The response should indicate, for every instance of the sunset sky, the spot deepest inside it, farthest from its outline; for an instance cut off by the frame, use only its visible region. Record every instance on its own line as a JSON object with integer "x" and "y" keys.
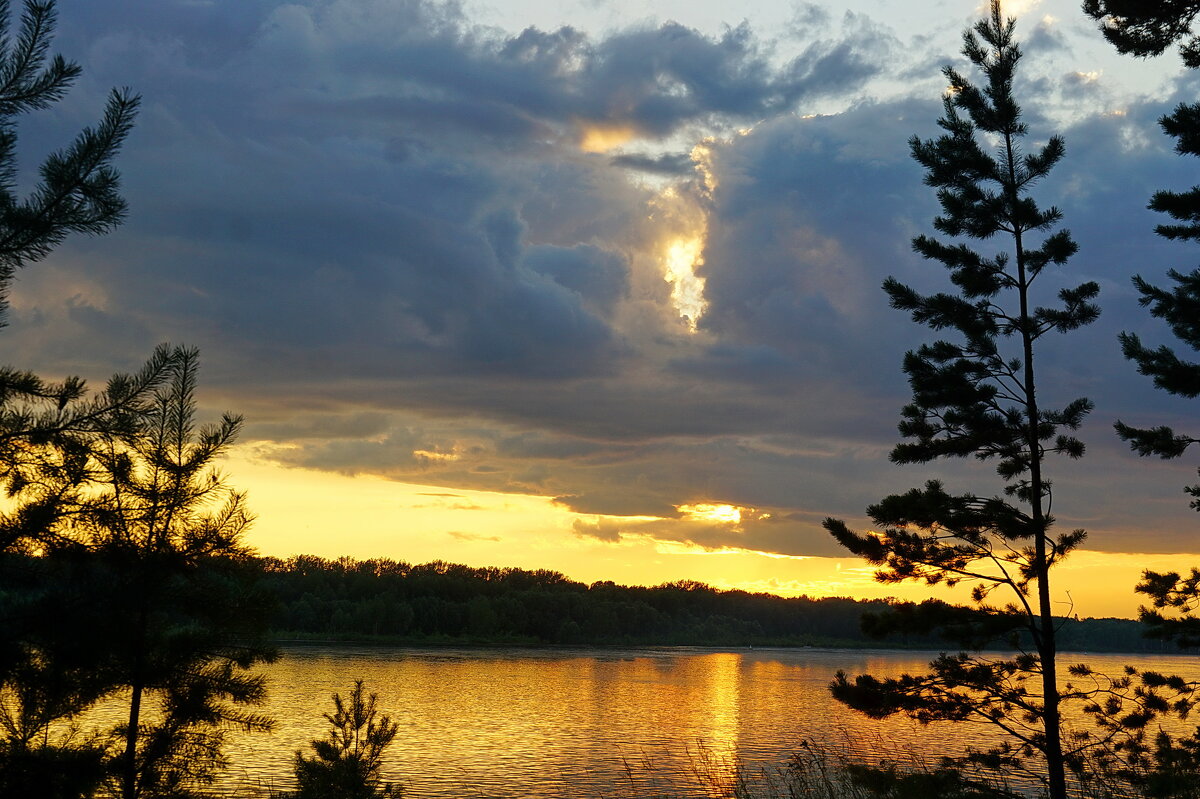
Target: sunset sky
{"x": 594, "y": 285}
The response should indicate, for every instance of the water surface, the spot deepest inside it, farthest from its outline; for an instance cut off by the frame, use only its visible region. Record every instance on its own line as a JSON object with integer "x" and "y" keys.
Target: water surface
{"x": 550, "y": 723}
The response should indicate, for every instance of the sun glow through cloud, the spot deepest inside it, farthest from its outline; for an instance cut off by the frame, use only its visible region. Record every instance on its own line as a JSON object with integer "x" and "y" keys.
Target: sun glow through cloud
{"x": 1012, "y": 8}
{"x": 604, "y": 138}
{"x": 708, "y": 512}
{"x": 682, "y": 257}
{"x": 430, "y": 456}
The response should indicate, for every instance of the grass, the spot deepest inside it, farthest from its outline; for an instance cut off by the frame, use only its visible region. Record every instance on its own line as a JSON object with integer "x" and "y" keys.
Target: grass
{"x": 816, "y": 770}
{"x": 829, "y": 771}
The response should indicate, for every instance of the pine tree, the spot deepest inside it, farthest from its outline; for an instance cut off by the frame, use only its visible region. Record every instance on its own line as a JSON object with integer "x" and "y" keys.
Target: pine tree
{"x": 976, "y": 395}
{"x": 348, "y": 761}
{"x": 1179, "y": 307}
{"x": 121, "y": 547}
{"x": 79, "y": 189}
{"x": 48, "y": 429}
{"x": 44, "y": 425}
{"x": 187, "y": 622}
{"x": 1143, "y": 29}
{"x": 1148, "y": 29}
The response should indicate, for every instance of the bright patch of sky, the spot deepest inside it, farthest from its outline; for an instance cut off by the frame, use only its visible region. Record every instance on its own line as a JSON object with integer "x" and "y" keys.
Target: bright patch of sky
{"x": 926, "y": 35}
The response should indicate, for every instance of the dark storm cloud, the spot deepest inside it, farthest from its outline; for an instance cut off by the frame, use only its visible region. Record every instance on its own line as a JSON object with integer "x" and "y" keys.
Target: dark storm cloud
{"x": 334, "y": 185}
{"x": 827, "y": 206}
{"x": 601, "y": 530}
{"x": 599, "y": 277}
{"x": 426, "y": 64}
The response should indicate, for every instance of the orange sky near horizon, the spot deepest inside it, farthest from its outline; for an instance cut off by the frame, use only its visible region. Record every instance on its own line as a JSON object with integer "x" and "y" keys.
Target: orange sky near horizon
{"x": 302, "y": 511}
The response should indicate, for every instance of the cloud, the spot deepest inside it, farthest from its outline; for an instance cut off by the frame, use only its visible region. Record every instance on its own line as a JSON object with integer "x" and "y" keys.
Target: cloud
{"x": 600, "y": 529}
{"x": 334, "y": 184}
{"x": 461, "y": 536}
{"x": 667, "y": 164}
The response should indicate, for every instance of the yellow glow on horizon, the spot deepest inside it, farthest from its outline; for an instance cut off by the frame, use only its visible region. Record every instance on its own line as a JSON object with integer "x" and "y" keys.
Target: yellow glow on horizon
{"x": 680, "y": 260}
{"x": 604, "y": 138}
{"x": 706, "y": 512}
{"x": 301, "y": 511}
{"x": 683, "y": 548}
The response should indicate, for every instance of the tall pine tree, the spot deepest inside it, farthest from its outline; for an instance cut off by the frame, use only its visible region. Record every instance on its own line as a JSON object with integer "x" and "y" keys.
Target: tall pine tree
{"x": 975, "y": 394}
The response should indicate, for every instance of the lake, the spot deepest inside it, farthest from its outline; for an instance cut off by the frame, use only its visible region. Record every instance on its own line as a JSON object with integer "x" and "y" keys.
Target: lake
{"x": 552, "y": 723}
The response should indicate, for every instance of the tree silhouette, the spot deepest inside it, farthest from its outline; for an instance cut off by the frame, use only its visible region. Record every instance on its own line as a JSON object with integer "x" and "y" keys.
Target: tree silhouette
{"x": 1179, "y": 307}
{"x": 346, "y": 763}
{"x": 141, "y": 589}
{"x": 45, "y": 426}
{"x": 48, "y": 429}
{"x": 189, "y": 622}
{"x": 977, "y": 395}
{"x": 1141, "y": 28}
{"x": 138, "y": 580}
{"x": 78, "y": 191}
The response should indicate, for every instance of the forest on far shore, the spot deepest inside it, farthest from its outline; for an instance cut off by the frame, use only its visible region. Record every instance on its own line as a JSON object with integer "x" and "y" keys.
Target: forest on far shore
{"x": 392, "y": 601}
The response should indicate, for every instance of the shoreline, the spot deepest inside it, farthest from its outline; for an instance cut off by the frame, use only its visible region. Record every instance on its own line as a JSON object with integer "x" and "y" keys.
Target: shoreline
{"x": 409, "y": 643}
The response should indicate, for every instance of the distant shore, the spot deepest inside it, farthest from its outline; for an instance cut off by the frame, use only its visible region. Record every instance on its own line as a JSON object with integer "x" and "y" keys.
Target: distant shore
{"x": 467, "y": 643}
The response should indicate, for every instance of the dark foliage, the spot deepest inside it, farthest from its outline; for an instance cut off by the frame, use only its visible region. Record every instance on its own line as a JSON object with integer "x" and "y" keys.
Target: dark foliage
{"x": 891, "y": 782}
{"x": 187, "y": 619}
{"x": 1156, "y": 763}
{"x": 79, "y": 189}
{"x": 122, "y": 575}
{"x": 347, "y": 763}
{"x": 47, "y": 771}
{"x": 975, "y": 395}
{"x": 1148, "y": 27}
{"x": 391, "y": 600}
{"x": 386, "y": 600}
{"x": 1173, "y": 597}
{"x": 141, "y": 588}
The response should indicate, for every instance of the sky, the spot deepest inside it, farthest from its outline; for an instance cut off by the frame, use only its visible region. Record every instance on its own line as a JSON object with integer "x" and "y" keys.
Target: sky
{"x": 593, "y": 287}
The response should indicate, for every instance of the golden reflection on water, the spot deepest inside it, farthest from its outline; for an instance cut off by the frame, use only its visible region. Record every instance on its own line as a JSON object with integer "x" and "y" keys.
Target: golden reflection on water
{"x": 548, "y": 724}
{"x": 724, "y": 700}
{"x": 532, "y": 722}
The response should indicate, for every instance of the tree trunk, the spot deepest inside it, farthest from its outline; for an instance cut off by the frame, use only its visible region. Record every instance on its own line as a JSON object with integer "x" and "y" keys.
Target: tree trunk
{"x": 129, "y": 770}
{"x": 129, "y": 767}
{"x": 1046, "y": 632}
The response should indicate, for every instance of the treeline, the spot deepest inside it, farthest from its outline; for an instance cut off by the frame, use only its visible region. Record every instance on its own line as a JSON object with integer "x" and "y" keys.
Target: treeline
{"x": 393, "y": 601}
